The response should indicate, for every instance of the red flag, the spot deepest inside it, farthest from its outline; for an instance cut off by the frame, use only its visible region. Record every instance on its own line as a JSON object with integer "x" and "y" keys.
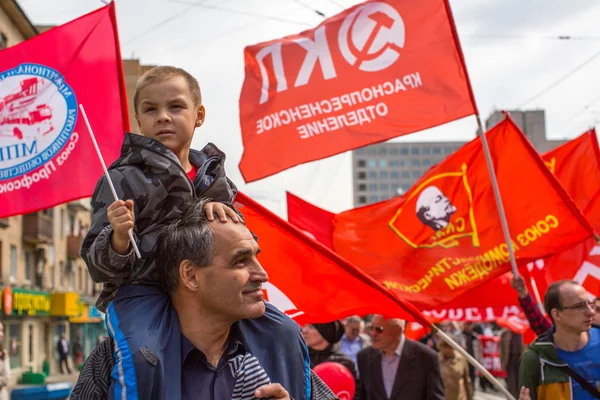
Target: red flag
{"x": 431, "y": 259}
{"x": 490, "y": 358}
{"x": 46, "y": 154}
{"x": 569, "y": 162}
{"x": 314, "y": 221}
{"x": 378, "y": 70}
{"x": 309, "y": 282}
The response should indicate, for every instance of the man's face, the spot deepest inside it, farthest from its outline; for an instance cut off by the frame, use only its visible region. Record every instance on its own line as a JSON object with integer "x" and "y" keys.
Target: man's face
{"x": 576, "y": 314}
{"x": 311, "y": 336}
{"x": 468, "y": 327}
{"x": 167, "y": 113}
{"x": 439, "y": 205}
{"x": 383, "y": 334}
{"x": 439, "y": 208}
{"x": 231, "y": 285}
{"x": 352, "y": 329}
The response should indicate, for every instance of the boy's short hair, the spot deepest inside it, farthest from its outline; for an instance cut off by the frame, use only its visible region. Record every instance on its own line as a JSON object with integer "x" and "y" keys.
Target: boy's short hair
{"x": 162, "y": 73}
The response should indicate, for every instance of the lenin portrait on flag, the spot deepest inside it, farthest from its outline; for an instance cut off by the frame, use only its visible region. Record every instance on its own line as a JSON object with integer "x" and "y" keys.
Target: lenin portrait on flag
{"x": 434, "y": 209}
{"x": 437, "y": 211}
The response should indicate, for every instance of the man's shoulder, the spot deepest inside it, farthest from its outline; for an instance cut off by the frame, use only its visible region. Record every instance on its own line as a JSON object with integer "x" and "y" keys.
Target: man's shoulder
{"x": 420, "y": 349}
{"x": 367, "y": 352}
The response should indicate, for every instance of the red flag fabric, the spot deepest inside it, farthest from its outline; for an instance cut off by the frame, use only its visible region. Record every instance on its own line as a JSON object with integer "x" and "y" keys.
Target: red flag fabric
{"x": 309, "y": 282}
{"x": 443, "y": 237}
{"x": 314, "y": 221}
{"x": 569, "y": 162}
{"x": 378, "y": 70}
{"x": 46, "y": 153}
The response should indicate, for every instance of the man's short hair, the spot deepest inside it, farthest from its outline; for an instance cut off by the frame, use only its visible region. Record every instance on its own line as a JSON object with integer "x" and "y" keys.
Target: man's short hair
{"x": 163, "y": 73}
{"x": 552, "y": 297}
{"x": 354, "y": 319}
{"x": 190, "y": 237}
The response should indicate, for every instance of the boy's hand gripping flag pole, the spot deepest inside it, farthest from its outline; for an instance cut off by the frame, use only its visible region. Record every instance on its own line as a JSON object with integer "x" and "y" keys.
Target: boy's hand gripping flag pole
{"x": 110, "y": 183}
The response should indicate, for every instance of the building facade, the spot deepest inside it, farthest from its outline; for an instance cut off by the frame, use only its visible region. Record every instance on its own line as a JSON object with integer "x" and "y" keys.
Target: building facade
{"x": 132, "y": 71}
{"x": 382, "y": 171}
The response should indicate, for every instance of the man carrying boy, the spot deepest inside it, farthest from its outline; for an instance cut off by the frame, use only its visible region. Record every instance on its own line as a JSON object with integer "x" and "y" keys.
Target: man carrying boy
{"x": 155, "y": 174}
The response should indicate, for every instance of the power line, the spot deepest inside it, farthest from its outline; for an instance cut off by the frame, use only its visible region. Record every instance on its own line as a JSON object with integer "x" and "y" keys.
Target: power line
{"x": 163, "y": 22}
{"x": 531, "y": 36}
{"x": 340, "y": 5}
{"x": 207, "y": 39}
{"x": 560, "y": 80}
{"x": 578, "y": 113}
{"x": 322, "y": 14}
{"x": 241, "y": 12}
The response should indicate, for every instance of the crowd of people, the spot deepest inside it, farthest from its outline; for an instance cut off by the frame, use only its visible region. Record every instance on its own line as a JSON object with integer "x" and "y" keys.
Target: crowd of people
{"x": 186, "y": 316}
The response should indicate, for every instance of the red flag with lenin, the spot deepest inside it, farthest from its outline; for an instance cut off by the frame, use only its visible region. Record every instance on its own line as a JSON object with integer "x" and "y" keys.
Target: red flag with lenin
{"x": 46, "y": 153}
{"x": 443, "y": 237}
{"x": 378, "y": 70}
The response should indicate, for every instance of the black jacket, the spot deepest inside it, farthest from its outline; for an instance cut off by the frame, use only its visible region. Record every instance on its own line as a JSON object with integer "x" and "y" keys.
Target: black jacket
{"x": 418, "y": 376}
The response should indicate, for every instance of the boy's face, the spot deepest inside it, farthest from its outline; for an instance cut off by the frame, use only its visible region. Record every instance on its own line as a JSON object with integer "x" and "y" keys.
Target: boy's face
{"x": 166, "y": 112}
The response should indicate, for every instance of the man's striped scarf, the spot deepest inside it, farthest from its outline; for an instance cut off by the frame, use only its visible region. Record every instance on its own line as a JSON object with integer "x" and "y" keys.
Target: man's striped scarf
{"x": 249, "y": 376}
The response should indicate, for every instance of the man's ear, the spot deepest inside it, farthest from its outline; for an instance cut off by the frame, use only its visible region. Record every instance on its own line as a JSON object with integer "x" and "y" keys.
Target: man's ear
{"x": 187, "y": 275}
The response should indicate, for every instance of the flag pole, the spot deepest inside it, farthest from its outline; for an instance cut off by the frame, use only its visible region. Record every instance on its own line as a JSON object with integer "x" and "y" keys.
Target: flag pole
{"x": 496, "y": 189}
{"x": 472, "y": 361}
{"x": 107, "y": 175}
{"x": 537, "y": 294}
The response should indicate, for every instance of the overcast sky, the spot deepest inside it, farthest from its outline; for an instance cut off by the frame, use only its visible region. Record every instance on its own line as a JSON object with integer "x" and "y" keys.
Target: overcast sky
{"x": 511, "y": 47}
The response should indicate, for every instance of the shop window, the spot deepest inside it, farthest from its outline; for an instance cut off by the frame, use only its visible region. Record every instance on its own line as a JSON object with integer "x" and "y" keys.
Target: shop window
{"x": 13, "y": 333}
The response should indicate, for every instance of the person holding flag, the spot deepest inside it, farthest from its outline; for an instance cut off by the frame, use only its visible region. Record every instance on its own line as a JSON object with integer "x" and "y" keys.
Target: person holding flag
{"x": 155, "y": 174}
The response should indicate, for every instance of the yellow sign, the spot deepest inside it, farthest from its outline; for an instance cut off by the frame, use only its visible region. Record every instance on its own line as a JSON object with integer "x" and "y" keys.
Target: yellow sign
{"x": 65, "y": 305}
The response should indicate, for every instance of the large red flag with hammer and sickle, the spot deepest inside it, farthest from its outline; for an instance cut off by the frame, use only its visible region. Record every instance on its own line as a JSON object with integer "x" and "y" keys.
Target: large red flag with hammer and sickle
{"x": 378, "y": 70}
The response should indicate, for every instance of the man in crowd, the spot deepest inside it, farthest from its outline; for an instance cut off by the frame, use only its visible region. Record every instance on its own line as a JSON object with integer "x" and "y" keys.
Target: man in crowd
{"x": 228, "y": 333}
{"x": 472, "y": 345}
{"x": 322, "y": 340}
{"x": 353, "y": 341}
{"x": 511, "y": 349}
{"x": 63, "y": 352}
{"x": 563, "y": 363}
{"x": 397, "y": 368}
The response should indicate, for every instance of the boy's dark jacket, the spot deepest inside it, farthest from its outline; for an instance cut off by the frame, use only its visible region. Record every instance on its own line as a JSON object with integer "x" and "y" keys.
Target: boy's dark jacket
{"x": 151, "y": 175}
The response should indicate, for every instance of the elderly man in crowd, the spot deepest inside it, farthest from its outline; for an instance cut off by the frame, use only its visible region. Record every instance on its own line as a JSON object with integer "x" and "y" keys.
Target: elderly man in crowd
{"x": 395, "y": 367}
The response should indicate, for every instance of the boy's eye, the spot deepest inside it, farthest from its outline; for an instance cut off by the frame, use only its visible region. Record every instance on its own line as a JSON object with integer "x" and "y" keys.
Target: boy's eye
{"x": 149, "y": 109}
{"x": 176, "y": 106}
